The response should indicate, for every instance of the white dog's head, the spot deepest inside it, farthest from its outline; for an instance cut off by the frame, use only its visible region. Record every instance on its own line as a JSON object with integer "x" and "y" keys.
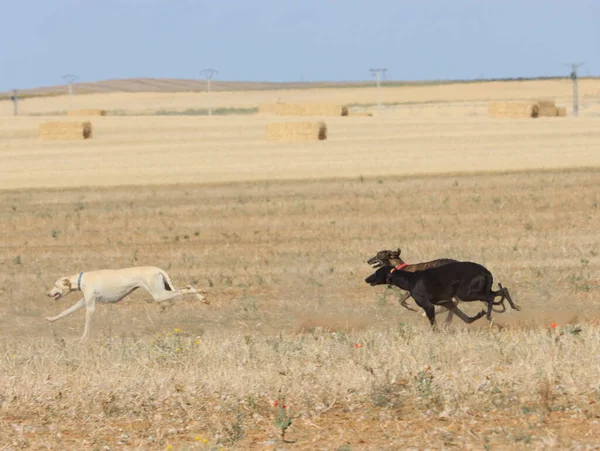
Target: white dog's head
{"x": 61, "y": 288}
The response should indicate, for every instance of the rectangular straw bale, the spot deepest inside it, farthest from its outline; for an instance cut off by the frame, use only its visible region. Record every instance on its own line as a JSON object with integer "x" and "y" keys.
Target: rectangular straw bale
{"x": 513, "y": 109}
{"x": 547, "y": 111}
{"x": 306, "y": 109}
{"x": 546, "y": 102}
{"x": 296, "y": 132}
{"x": 561, "y": 111}
{"x": 267, "y": 108}
{"x": 86, "y": 113}
{"x": 65, "y": 130}
{"x": 360, "y": 113}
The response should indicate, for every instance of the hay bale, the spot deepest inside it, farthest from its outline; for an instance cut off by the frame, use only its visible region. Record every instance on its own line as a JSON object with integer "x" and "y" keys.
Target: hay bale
{"x": 561, "y": 111}
{"x": 87, "y": 113}
{"x": 65, "y": 130}
{"x": 546, "y": 102}
{"x": 267, "y": 108}
{"x": 305, "y": 109}
{"x": 360, "y": 113}
{"x": 296, "y": 132}
{"x": 547, "y": 111}
{"x": 513, "y": 109}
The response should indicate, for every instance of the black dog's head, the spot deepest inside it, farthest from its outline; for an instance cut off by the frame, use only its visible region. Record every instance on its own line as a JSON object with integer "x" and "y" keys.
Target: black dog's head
{"x": 384, "y": 258}
{"x": 380, "y": 277}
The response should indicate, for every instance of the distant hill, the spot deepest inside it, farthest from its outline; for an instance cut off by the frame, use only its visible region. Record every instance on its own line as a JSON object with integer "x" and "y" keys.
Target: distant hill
{"x": 185, "y": 85}
{"x": 174, "y": 85}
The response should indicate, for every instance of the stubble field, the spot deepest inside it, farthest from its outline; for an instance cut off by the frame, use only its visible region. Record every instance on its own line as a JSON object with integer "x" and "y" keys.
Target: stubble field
{"x": 282, "y": 256}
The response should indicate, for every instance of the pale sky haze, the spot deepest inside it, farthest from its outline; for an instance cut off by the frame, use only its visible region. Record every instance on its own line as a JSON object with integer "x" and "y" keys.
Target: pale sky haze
{"x": 288, "y": 40}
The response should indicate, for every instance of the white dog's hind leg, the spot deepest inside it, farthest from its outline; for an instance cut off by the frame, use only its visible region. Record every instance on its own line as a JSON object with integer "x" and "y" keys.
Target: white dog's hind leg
{"x": 159, "y": 292}
{"x": 164, "y": 295}
{"x": 78, "y": 306}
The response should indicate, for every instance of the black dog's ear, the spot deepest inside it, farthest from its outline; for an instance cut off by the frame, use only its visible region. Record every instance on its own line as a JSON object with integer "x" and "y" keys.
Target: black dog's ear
{"x": 399, "y": 252}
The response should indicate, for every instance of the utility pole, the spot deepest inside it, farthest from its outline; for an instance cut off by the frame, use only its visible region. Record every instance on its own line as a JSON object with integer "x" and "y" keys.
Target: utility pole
{"x": 574, "y": 67}
{"x": 15, "y": 100}
{"x": 378, "y": 73}
{"x": 70, "y": 78}
{"x": 208, "y": 75}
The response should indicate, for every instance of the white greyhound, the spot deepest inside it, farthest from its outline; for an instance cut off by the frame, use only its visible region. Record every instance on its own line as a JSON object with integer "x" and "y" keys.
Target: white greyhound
{"x": 111, "y": 286}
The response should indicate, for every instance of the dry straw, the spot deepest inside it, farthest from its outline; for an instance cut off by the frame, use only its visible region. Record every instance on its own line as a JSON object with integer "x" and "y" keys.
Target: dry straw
{"x": 65, "y": 130}
{"x": 541, "y": 108}
{"x": 296, "y": 132}
{"x": 546, "y": 102}
{"x": 304, "y": 109}
{"x": 547, "y": 108}
{"x": 87, "y": 113}
{"x": 513, "y": 109}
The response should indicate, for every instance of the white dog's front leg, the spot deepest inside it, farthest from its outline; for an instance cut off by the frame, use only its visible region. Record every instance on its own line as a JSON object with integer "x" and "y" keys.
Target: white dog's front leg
{"x": 68, "y": 311}
{"x": 90, "y": 308}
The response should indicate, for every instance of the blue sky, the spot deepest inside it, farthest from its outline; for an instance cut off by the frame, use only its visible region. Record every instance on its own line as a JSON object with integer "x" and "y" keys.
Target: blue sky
{"x": 287, "y": 40}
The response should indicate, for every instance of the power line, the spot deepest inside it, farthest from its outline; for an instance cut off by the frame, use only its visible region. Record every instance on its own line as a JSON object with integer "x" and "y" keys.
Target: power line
{"x": 573, "y": 75}
{"x": 15, "y": 99}
{"x": 208, "y": 75}
{"x": 70, "y": 78}
{"x": 378, "y": 73}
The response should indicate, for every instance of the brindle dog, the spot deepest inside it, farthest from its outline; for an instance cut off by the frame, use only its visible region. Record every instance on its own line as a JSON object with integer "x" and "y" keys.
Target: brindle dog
{"x": 392, "y": 258}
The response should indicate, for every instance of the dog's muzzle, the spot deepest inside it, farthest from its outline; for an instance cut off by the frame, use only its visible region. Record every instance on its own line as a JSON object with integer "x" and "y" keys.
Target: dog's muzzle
{"x": 54, "y": 296}
{"x": 375, "y": 264}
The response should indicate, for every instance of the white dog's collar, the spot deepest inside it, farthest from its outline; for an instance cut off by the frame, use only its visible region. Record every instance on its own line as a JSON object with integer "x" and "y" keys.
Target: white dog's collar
{"x": 79, "y": 281}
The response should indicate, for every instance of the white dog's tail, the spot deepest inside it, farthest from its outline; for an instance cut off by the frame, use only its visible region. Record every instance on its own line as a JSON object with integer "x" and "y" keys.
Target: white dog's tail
{"x": 167, "y": 281}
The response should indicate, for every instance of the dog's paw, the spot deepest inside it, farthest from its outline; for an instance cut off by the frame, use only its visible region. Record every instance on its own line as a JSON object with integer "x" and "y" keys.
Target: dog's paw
{"x": 517, "y": 308}
{"x": 202, "y": 299}
{"x": 49, "y": 319}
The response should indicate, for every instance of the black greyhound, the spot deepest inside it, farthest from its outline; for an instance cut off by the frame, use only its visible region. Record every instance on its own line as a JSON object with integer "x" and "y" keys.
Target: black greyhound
{"x": 437, "y": 286}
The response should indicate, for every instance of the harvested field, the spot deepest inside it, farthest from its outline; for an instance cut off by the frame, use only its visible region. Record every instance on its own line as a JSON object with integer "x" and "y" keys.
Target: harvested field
{"x": 167, "y": 150}
{"x": 279, "y": 234}
{"x": 284, "y": 264}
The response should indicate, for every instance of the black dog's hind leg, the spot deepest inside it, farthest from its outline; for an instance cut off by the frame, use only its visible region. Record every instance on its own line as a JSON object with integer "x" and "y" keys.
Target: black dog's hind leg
{"x": 505, "y": 294}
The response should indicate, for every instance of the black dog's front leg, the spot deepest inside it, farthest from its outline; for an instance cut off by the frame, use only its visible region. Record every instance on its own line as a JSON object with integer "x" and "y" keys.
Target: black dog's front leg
{"x": 423, "y": 302}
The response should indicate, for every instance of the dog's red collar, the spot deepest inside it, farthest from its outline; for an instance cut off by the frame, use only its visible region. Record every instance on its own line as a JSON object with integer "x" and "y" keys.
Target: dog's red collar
{"x": 399, "y": 267}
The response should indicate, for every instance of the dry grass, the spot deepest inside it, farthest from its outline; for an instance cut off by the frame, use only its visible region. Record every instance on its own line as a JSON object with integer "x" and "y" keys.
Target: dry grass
{"x": 292, "y": 319}
{"x": 89, "y": 112}
{"x": 304, "y": 109}
{"x": 284, "y": 261}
